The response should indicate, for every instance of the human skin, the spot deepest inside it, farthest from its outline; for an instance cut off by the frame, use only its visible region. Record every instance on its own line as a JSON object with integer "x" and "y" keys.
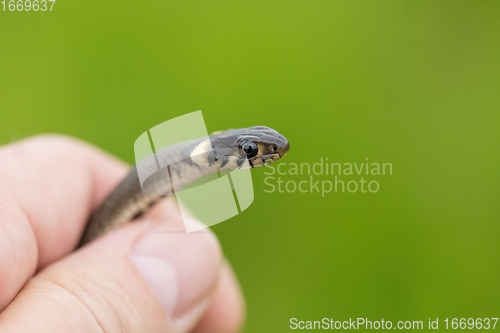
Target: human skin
{"x": 134, "y": 279}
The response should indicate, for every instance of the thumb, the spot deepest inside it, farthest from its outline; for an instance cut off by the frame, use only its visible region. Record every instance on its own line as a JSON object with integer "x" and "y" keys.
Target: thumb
{"x": 130, "y": 280}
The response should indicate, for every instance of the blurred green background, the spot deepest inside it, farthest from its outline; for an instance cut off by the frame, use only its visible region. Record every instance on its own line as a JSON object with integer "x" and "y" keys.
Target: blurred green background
{"x": 415, "y": 84}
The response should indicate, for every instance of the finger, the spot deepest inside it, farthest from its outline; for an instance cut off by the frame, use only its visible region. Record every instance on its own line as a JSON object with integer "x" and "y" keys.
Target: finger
{"x": 226, "y": 311}
{"x": 130, "y": 280}
{"x": 48, "y": 187}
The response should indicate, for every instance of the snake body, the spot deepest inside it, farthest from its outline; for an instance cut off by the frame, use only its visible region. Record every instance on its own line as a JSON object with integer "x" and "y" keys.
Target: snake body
{"x": 182, "y": 164}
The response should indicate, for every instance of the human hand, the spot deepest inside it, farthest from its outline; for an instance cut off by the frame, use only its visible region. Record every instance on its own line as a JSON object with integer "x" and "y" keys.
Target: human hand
{"x": 131, "y": 280}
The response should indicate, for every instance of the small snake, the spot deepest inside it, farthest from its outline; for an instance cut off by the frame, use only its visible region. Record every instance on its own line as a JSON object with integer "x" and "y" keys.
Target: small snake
{"x": 183, "y": 163}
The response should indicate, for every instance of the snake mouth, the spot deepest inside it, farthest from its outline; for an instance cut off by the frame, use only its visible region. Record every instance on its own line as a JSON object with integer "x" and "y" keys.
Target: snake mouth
{"x": 263, "y": 160}
{"x": 270, "y": 158}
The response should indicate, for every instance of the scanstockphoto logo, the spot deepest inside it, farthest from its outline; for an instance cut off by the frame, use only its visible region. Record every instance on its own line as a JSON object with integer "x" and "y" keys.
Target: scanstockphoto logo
{"x": 324, "y": 177}
{"x": 172, "y": 154}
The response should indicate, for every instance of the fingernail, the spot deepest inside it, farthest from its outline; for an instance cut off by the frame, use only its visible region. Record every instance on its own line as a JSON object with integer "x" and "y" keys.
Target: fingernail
{"x": 181, "y": 269}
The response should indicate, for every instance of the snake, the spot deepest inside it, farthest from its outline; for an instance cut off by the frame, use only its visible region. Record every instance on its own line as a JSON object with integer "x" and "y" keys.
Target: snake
{"x": 176, "y": 166}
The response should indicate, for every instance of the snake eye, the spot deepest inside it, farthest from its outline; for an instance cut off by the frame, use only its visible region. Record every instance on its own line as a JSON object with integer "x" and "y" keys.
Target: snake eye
{"x": 275, "y": 148}
{"x": 249, "y": 148}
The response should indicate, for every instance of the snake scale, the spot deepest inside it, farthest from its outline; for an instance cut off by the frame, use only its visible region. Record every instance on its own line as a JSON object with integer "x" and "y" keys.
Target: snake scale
{"x": 187, "y": 161}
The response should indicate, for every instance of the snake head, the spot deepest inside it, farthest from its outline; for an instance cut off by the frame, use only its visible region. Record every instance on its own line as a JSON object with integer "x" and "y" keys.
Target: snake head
{"x": 248, "y": 147}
